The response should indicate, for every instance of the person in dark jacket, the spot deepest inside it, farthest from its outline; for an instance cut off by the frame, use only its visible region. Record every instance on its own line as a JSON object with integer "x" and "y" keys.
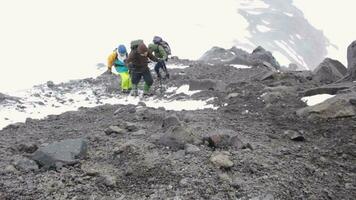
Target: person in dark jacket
{"x": 138, "y": 64}
{"x": 161, "y": 54}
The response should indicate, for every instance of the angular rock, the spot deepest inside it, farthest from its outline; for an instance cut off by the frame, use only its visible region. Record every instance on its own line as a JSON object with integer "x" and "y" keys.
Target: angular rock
{"x": 207, "y": 84}
{"x": 191, "y": 149}
{"x": 66, "y": 152}
{"x": 25, "y": 165}
{"x": 107, "y": 180}
{"x": 260, "y": 55}
{"x": 171, "y": 121}
{"x": 336, "y": 107}
{"x": 221, "y": 160}
{"x": 27, "y": 147}
{"x": 224, "y": 141}
{"x": 329, "y": 71}
{"x": 114, "y": 130}
{"x": 294, "y": 135}
{"x": 177, "y": 137}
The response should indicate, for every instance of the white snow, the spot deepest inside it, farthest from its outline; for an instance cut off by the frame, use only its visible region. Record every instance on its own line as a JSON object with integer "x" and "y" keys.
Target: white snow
{"x": 73, "y": 101}
{"x": 185, "y": 90}
{"x": 316, "y": 99}
{"x": 171, "y": 66}
{"x": 240, "y": 66}
{"x": 263, "y": 28}
{"x": 288, "y": 14}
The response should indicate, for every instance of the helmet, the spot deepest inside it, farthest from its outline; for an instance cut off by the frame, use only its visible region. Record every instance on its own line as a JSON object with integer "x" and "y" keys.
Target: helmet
{"x": 121, "y": 49}
{"x": 157, "y": 39}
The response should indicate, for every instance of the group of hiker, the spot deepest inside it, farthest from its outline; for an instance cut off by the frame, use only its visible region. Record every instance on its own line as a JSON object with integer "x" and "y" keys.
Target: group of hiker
{"x": 134, "y": 65}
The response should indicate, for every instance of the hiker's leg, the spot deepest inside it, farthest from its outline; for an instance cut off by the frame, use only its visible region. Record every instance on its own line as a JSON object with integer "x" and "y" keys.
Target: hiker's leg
{"x": 164, "y": 67}
{"x": 125, "y": 80}
{"x": 148, "y": 80}
{"x": 157, "y": 67}
{"x": 135, "y": 78}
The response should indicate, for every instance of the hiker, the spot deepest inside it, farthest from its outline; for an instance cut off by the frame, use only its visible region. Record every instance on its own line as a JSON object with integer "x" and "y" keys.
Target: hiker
{"x": 161, "y": 50}
{"x": 117, "y": 58}
{"x": 138, "y": 64}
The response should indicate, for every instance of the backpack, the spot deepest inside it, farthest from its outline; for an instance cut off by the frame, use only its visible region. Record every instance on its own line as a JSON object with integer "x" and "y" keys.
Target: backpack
{"x": 134, "y": 44}
{"x": 159, "y": 41}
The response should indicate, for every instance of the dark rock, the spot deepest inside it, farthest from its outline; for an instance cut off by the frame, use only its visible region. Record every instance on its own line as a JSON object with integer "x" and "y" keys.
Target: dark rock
{"x": 294, "y": 135}
{"x": 27, "y": 147}
{"x": 224, "y": 141}
{"x": 114, "y": 130}
{"x": 50, "y": 84}
{"x": 191, "y": 149}
{"x": 131, "y": 127}
{"x": 260, "y": 55}
{"x": 171, "y": 121}
{"x": 66, "y": 152}
{"x": 221, "y": 160}
{"x": 329, "y": 71}
{"x": 217, "y": 55}
{"x": 207, "y": 84}
{"x": 335, "y": 107}
{"x": 177, "y": 137}
{"x": 329, "y": 89}
{"x": 25, "y": 165}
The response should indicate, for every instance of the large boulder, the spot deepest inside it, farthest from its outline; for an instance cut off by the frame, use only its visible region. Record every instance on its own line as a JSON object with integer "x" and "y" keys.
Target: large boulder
{"x": 329, "y": 71}
{"x": 335, "y": 107}
{"x": 177, "y": 137}
{"x": 351, "y": 57}
{"x": 217, "y": 55}
{"x": 260, "y": 55}
{"x": 57, "y": 154}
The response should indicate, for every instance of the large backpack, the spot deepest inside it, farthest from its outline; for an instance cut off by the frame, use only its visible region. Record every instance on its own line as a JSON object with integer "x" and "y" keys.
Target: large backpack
{"x": 159, "y": 41}
{"x": 134, "y": 44}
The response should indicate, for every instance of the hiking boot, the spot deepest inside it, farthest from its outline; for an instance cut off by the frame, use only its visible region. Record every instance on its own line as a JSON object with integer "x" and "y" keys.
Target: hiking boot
{"x": 134, "y": 92}
{"x": 125, "y": 91}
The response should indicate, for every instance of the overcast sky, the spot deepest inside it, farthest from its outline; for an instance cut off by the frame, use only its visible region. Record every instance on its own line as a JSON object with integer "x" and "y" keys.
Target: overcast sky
{"x": 64, "y": 39}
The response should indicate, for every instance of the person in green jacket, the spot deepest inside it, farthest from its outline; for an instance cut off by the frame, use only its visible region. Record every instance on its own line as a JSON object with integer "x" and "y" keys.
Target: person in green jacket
{"x": 161, "y": 54}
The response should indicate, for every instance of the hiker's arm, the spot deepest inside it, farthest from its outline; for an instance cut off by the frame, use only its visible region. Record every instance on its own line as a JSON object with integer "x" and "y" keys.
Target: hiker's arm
{"x": 162, "y": 52}
{"x": 152, "y": 57}
{"x": 111, "y": 60}
{"x": 129, "y": 58}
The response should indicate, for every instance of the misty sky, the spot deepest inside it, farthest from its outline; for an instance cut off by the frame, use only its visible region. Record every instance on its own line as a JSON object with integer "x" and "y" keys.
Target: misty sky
{"x": 64, "y": 39}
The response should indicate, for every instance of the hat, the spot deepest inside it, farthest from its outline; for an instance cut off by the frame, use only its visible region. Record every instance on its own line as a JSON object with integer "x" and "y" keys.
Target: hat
{"x": 121, "y": 49}
{"x": 142, "y": 48}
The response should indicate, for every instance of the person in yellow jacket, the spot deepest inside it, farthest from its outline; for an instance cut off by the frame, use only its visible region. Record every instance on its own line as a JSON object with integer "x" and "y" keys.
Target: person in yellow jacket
{"x": 117, "y": 59}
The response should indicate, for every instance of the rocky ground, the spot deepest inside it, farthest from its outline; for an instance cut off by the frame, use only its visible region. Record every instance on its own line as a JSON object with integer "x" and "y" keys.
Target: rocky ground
{"x": 261, "y": 143}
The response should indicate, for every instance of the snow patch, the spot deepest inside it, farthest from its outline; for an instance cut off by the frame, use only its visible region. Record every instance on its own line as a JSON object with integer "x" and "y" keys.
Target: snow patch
{"x": 240, "y": 66}
{"x": 171, "y": 66}
{"x": 39, "y": 103}
{"x": 316, "y": 99}
{"x": 263, "y": 28}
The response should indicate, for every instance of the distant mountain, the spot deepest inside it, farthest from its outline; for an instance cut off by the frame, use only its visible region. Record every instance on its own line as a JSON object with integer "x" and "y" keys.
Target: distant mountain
{"x": 281, "y": 28}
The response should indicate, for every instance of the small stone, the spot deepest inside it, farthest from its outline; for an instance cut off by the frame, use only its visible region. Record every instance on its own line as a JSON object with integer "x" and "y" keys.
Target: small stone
{"x": 294, "y": 135}
{"x": 139, "y": 132}
{"x": 191, "y": 149}
{"x": 184, "y": 182}
{"x": 236, "y": 183}
{"x": 108, "y": 180}
{"x": 27, "y": 147}
{"x": 10, "y": 169}
{"x": 115, "y": 130}
{"x": 26, "y": 165}
{"x": 225, "y": 177}
{"x": 232, "y": 95}
{"x": 221, "y": 160}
